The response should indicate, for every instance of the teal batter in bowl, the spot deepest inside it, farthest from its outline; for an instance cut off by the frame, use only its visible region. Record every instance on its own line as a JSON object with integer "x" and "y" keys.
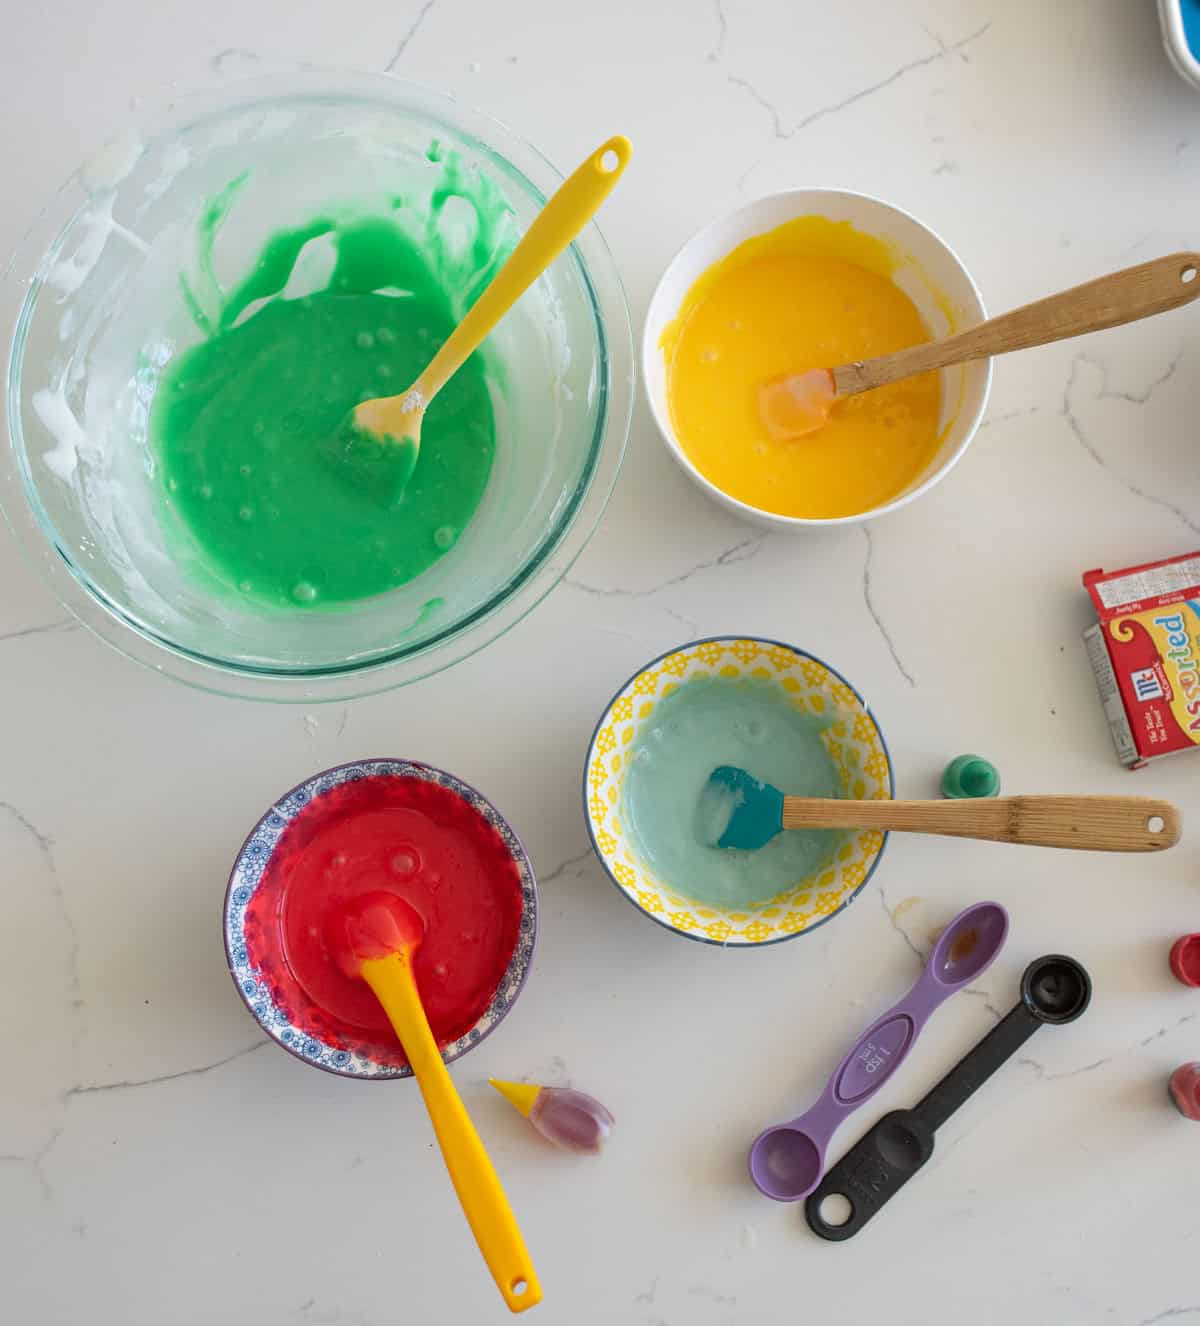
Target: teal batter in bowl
{"x": 765, "y": 706}
{"x": 669, "y": 814}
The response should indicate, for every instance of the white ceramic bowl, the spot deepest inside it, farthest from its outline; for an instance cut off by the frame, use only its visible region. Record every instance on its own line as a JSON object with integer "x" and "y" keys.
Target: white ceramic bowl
{"x": 930, "y": 274}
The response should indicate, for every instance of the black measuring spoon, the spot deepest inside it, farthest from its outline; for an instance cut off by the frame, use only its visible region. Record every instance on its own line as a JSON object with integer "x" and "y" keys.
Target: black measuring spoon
{"x": 1054, "y": 989}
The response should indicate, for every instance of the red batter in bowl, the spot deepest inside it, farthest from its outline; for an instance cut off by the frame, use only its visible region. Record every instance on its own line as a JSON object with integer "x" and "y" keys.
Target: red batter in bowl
{"x": 412, "y": 836}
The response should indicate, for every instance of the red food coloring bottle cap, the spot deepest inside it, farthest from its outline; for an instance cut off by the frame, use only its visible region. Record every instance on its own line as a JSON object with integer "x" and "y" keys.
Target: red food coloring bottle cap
{"x": 1185, "y": 1090}
{"x": 1185, "y": 959}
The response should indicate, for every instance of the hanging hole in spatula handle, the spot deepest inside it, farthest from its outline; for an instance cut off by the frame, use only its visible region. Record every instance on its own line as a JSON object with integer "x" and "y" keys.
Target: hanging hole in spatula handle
{"x": 612, "y": 157}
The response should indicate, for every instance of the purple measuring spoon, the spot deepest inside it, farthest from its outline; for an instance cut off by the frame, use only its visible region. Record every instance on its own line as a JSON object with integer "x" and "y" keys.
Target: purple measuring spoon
{"x": 788, "y": 1160}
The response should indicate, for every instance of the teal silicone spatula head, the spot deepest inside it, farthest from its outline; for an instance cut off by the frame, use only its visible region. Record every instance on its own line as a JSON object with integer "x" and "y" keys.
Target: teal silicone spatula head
{"x": 737, "y": 810}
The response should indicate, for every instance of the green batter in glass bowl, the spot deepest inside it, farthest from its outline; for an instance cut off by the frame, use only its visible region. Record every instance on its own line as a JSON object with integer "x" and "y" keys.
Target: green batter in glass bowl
{"x": 208, "y": 298}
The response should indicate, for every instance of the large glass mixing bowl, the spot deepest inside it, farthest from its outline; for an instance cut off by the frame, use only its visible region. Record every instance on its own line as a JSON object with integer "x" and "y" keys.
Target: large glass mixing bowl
{"x": 94, "y": 298}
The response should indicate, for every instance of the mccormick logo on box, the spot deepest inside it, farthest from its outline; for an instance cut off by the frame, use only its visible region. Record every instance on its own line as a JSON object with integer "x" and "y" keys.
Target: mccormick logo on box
{"x": 1145, "y": 652}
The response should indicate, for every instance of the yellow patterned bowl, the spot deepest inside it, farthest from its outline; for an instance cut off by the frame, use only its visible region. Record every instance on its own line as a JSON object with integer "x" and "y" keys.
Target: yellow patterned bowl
{"x": 854, "y": 741}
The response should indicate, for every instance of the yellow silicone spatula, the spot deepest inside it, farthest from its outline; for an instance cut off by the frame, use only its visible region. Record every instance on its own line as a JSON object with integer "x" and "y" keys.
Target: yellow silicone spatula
{"x": 395, "y": 421}
{"x": 376, "y": 937}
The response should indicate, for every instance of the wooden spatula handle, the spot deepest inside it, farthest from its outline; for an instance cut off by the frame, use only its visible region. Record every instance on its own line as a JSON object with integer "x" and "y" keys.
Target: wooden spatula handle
{"x": 1097, "y": 824}
{"x": 1125, "y": 296}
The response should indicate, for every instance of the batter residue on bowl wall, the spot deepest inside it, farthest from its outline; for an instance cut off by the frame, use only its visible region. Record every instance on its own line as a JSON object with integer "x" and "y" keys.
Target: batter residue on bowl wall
{"x": 812, "y": 293}
{"x": 245, "y": 423}
{"x": 707, "y": 722}
{"x": 420, "y": 841}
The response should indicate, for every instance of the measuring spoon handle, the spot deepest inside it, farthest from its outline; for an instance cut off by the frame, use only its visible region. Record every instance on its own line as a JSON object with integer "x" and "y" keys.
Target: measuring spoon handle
{"x": 976, "y": 1066}
{"x": 875, "y": 1168}
{"x": 872, "y": 1059}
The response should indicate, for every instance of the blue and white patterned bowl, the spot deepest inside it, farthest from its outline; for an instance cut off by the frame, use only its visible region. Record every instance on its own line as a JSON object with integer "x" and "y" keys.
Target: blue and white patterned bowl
{"x": 247, "y": 874}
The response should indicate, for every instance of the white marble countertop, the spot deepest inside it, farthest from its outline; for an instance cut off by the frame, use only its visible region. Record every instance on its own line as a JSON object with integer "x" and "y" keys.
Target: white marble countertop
{"x": 161, "y": 1162}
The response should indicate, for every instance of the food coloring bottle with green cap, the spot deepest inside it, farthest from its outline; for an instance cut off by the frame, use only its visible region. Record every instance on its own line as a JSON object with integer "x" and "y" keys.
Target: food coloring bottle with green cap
{"x": 970, "y": 776}
{"x": 1185, "y": 1090}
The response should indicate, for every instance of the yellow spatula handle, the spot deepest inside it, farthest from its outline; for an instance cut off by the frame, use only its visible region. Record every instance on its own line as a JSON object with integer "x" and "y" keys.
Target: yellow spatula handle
{"x": 475, "y": 1180}
{"x": 555, "y": 226}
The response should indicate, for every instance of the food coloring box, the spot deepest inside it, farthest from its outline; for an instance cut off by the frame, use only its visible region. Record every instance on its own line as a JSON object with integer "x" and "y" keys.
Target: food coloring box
{"x": 1145, "y": 652}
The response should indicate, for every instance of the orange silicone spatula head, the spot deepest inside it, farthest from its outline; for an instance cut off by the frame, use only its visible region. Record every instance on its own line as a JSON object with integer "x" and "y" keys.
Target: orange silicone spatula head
{"x": 798, "y": 404}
